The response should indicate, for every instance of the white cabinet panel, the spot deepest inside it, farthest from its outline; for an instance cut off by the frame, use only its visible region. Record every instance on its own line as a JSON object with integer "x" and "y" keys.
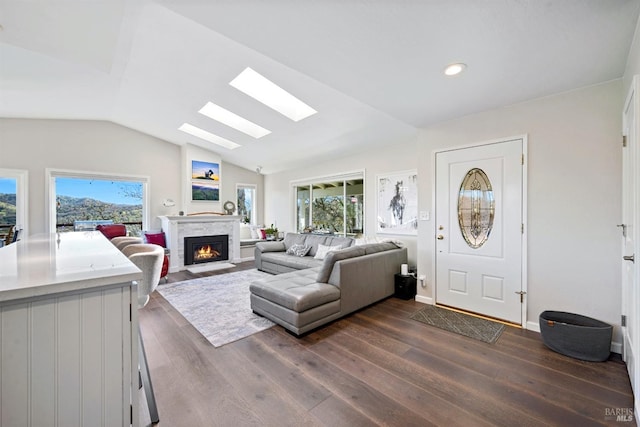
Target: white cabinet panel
{"x": 67, "y": 360}
{"x": 68, "y": 336}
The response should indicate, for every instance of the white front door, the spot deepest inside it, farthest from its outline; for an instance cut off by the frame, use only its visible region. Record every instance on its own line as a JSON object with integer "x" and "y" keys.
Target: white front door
{"x": 479, "y": 229}
{"x": 630, "y": 238}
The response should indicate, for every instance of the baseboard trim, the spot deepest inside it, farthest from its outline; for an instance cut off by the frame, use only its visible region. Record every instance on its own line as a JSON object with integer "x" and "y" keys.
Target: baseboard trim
{"x": 423, "y": 299}
{"x": 532, "y": 326}
{"x": 616, "y": 347}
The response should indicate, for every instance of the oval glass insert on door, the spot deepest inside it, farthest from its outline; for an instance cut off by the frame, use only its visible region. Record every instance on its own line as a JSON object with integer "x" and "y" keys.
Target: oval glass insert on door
{"x": 476, "y": 208}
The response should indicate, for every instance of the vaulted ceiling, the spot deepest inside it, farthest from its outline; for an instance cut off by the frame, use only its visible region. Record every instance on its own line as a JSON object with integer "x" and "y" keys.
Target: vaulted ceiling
{"x": 373, "y": 69}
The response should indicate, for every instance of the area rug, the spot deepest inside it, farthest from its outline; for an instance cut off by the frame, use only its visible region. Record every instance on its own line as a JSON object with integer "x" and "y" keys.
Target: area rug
{"x": 218, "y": 306}
{"x": 460, "y": 323}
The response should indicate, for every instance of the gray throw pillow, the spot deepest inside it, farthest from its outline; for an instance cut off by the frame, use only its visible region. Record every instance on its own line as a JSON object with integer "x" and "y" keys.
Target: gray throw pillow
{"x": 298, "y": 250}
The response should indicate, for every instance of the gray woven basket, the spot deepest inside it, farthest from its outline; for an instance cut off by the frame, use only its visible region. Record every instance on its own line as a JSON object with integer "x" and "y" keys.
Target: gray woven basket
{"x": 576, "y": 336}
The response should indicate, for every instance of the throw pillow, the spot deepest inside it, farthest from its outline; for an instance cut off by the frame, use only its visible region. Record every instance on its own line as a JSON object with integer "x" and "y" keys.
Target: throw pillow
{"x": 262, "y": 234}
{"x": 323, "y": 250}
{"x": 299, "y": 250}
{"x": 156, "y": 239}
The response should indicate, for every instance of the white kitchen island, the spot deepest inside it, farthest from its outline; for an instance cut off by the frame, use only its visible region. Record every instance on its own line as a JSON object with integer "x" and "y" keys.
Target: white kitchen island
{"x": 68, "y": 332}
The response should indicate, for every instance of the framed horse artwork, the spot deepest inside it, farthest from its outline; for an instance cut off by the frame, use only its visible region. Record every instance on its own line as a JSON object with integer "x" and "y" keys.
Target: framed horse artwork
{"x": 397, "y": 202}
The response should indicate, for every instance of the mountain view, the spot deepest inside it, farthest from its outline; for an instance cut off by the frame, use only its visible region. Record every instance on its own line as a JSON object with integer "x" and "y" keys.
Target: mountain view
{"x": 7, "y": 208}
{"x": 72, "y": 209}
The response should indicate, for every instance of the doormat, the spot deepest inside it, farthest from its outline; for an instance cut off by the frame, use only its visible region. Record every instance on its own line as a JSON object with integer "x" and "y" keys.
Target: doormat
{"x": 460, "y": 323}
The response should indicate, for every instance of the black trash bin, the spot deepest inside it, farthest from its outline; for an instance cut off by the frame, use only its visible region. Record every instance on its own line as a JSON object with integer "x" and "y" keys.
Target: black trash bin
{"x": 577, "y": 336}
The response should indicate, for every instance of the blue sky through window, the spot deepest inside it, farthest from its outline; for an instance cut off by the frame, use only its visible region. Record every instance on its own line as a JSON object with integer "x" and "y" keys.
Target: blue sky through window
{"x": 8, "y": 185}
{"x": 98, "y": 189}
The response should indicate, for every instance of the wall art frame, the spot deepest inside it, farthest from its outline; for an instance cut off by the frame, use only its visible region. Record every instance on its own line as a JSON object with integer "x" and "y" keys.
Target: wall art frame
{"x": 205, "y": 181}
{"x": 397, "y": 203}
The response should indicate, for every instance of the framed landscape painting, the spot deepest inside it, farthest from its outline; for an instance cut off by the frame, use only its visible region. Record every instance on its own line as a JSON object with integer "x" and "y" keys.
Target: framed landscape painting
{"x": 205, "y": 181}
{"x": 205, "y": 170}
{"x": 202, "y": 192}
{"x": 397, "y": 203}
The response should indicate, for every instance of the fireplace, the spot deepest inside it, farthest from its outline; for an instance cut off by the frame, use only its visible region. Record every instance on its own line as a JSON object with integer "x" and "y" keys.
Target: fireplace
{"x": 202, "y": 249}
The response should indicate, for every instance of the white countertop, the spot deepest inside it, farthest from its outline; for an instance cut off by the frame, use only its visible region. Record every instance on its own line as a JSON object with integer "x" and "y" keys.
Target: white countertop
{"x": 52, "y": 263}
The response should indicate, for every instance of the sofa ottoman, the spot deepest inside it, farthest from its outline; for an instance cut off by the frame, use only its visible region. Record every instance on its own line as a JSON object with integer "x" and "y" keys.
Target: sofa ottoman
{"x": 296, "y": 298}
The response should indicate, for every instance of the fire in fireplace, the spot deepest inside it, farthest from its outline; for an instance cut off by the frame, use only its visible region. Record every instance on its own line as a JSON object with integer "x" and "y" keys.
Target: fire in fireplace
{"x": 205, "y": 253}
{"x": 201, "y": 249}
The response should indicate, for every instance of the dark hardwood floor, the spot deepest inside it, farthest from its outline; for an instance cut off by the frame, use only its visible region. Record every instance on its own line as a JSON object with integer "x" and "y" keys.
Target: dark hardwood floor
{"x": 375, "y": 367}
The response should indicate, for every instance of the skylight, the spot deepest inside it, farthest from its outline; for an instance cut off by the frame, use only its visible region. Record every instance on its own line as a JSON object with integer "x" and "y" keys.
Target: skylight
{"x": 271, "y": 95}
{"x": 233, "y": 120}
{"x": 208, "y": 136}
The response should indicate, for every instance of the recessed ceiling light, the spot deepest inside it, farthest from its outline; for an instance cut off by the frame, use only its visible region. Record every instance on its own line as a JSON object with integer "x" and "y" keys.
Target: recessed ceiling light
{"x": 233, "y": 120}
{"x": 208, "y": 136}
{"x": 454, "y": 69}
{"x": 264, "y": 90}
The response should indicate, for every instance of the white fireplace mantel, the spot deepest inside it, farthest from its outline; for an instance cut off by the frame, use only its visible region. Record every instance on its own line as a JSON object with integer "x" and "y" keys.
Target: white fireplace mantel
{"x": 176, "y": 228}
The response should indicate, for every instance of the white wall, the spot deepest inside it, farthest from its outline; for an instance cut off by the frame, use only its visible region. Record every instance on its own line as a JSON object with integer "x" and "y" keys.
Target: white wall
{"x": 633, "y": 61}
{"x": 103, "y": 147}
{"x": 574, "y": 200}
{"x": 230, "y": 175}
{"x": 398, "y": 156}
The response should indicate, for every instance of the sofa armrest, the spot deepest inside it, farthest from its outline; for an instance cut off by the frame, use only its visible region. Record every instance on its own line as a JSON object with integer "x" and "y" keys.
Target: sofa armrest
{"x": 270, "y": 247}
{"x": 366, "y": 279}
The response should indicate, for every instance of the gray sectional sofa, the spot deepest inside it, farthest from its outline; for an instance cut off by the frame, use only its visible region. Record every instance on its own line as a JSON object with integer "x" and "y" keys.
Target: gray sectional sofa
{"x": 314, "y": 292}
{"x": 272, "y": 257}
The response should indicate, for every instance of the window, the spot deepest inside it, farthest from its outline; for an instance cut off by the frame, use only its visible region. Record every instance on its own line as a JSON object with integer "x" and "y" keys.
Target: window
{"x": 13, "y": 200}
{"x": 331, "y": 205}
{"x": 247, "y": 203}
{"x": 79, "y": 201}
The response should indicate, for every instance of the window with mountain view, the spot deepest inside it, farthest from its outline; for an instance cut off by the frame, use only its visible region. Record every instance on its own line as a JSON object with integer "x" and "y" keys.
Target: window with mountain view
{"x": 83, "y": 202}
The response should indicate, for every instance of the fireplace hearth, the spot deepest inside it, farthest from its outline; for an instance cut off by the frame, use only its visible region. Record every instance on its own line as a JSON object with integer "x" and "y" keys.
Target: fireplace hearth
{"x": 203, "y": 249}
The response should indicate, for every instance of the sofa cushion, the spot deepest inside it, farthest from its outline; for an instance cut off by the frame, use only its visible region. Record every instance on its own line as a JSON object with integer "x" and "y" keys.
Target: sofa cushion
{"x": 324, "y": 250}
{"x": 290, "y": 261}
{"x": 297, "y": 291}
{"x": 298, "y": 250}
{"x": 270, "y": 246}
{"x": 344, "y": 242}
{"x": 311, "y": 240}
{"x": 314, "y": 240}
{"x": 291, "y": 239}
{"x": 334, "y": 256}
{"x": 373, "y": 248}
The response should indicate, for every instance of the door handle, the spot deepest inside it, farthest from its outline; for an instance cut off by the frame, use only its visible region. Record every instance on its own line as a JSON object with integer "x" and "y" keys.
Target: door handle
{"x": 629, "y": 258}
{"x": 440, "y": 237}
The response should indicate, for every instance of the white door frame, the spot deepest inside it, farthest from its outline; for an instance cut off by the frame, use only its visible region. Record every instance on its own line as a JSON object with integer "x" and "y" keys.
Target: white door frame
{"x": 633, "y": 315}
{"x": 433, "y": 231}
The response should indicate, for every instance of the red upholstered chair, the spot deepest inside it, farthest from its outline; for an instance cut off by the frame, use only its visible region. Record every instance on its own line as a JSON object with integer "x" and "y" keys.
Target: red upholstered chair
{"x": 157, "y": 238}
{"x": 112, "y": 230}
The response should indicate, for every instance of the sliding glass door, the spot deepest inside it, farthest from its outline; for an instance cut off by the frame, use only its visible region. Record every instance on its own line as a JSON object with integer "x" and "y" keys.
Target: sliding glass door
{"x": 331, "y": 206}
